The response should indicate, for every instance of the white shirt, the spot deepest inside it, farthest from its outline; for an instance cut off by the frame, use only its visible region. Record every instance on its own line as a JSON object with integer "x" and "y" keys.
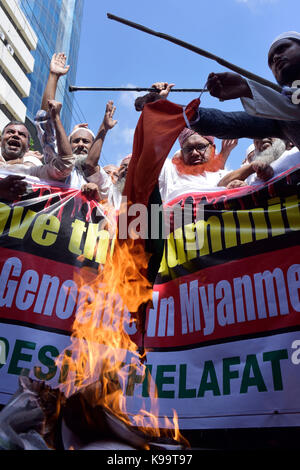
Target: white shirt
{"x": 29, "y": 158}
{"x": 173, "y": 184}
{"x": 33, "y": 160}
{"x": 269, "y": 103}
{"x": 58, "y": 169}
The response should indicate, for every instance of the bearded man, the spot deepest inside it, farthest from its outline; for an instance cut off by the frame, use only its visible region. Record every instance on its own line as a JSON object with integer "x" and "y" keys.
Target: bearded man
{"x": 268, "y": 112}
{"x": 117, "y": 186}
{"x": 86, "y": 147}
{"x": 115, "y": 181}
{"x": 261, "y": 166}
{"x": 15, "y": 141}
{"x": 112, "y": 171}
{"x": 267, "y": 149}
{"x": 195, "y": 167}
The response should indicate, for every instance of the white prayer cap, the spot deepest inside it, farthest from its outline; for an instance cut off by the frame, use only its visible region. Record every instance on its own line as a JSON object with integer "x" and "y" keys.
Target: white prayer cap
{"x": 82, "y": 128}
{"x": 287, "y": 35}
{"x": 250, "y": 149}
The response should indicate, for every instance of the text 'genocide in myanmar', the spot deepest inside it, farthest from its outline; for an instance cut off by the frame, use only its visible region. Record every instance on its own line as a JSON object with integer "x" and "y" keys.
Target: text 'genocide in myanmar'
{"x": 199, "y": 308}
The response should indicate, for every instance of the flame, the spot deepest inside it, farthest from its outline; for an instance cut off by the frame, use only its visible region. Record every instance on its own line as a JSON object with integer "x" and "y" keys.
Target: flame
{"x": 102, "y": 351}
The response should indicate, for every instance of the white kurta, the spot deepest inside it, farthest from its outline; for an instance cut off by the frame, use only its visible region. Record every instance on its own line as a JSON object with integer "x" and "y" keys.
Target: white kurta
{"x": 271, "y": 104}
{"x": 173, "y": 184}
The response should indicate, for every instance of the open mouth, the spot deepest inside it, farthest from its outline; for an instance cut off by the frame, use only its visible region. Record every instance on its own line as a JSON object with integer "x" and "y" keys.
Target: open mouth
{"x": 198, "y": 160}
{"x": 14, "y": 144}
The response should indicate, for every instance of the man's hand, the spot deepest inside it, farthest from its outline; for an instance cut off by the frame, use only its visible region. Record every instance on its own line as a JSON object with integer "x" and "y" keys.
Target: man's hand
{"x": 228, "y": 86}
{"x": 54, "y": 109}
{"x": 108, "y": 121}
{"x": 12, "y": 187}
{"x": 163, "y": 88}
{"x": 58, "y": 64}
{"x": 91, "y": 191}
{"x": 236, "y": 184}
{"x": 228, "y": 145}
{"x": 263, "y": 170}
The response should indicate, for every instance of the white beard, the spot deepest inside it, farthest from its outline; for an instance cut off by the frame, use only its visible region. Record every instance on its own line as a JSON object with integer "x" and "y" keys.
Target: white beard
{"x": 79, "y": 162}
{"x": 271, "y": 153}
{"x": 120, "y": 184}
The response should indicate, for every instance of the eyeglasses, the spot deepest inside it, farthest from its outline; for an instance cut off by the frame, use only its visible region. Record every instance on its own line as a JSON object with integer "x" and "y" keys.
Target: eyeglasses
{"x": 201, "y": 148}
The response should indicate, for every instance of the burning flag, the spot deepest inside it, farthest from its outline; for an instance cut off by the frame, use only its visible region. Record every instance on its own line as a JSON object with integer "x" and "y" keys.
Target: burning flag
{"x": 103, "y": 354}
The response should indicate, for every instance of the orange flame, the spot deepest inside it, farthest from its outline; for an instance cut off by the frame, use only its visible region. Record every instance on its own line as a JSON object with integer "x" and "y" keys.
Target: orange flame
{"x": 100, "y": 344}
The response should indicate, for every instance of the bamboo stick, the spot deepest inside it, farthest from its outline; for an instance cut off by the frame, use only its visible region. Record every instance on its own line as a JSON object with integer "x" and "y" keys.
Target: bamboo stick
{"x": 78, "y": 88}
{"x": 199, "y": 51}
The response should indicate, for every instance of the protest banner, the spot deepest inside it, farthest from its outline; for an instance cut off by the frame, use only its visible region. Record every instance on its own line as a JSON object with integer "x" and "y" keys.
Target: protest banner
{"x": 222, "y": 336}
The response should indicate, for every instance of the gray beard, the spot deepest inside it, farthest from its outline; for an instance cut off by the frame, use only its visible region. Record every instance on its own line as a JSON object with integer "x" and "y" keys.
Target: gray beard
{"x": 79, "y": 161}
{"x": 271, "y": 153}
{"x": 7, "y": 155}
{"x": 120, "y": 184}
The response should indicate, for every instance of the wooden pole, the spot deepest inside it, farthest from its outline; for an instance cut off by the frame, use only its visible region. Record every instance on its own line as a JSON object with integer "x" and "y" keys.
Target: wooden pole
{"x": 199, "y": 51}
{"x": 85, "y": 88}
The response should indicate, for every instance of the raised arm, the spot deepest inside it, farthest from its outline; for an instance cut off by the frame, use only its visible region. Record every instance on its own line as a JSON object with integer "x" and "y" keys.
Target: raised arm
{"x": 227, "y": 146}
{"x": 63, "y": 143}
{"x": 234, "y": 125}
{"x": 91, "y": 162}
{"x": 62, "y": 163}
{"x": 228, "y": 86}
{"x": 263, "y": 170}
{"x": 58, "y": 68}
{"x": 257, "y": 99}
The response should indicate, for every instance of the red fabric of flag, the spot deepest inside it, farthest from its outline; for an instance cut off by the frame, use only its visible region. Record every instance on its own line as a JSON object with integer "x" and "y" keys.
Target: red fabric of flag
{"x": 157, "y": 130}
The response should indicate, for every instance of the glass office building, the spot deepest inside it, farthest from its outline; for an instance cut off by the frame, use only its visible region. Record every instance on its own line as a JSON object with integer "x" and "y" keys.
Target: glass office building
{"x": 57, "y": 24}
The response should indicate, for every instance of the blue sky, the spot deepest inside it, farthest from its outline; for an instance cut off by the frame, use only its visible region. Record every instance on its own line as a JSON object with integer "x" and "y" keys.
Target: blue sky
{"x": 112, "y": 54}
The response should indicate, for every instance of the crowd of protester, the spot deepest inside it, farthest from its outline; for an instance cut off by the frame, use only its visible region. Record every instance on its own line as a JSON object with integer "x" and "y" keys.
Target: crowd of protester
{"x": 270, "y": 119}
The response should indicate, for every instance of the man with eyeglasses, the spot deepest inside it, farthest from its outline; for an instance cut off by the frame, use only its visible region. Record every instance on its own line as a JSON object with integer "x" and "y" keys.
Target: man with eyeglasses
{"x": 195, "y": 167}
